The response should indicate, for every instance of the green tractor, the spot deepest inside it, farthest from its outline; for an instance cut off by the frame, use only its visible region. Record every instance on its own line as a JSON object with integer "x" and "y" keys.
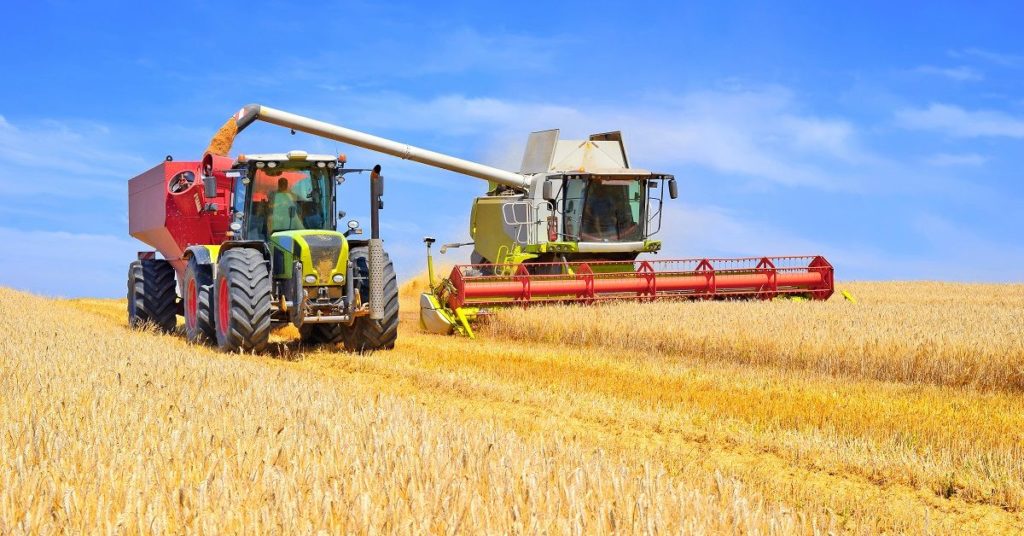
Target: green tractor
{"x": 251, "y": 243}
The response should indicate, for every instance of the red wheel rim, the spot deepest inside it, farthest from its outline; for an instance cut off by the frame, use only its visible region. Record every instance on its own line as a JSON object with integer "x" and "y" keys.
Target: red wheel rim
{"x": 191, "y": 305}
{"x": 222, "y": 307}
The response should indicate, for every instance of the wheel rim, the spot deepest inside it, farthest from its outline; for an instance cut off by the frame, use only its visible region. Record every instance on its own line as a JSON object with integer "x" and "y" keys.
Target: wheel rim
{"x": 222, "y": 307}
{"x": 191, "y": 305}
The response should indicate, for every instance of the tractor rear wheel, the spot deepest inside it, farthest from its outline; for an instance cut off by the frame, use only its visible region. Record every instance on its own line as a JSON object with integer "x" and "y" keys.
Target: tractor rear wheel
{"x": 367, "y": 335}
{"x": 198, "y": 301}
{"x": 323, "y": 333}
{"x": 242, "y": 295}
{"x": 151, "y": 295}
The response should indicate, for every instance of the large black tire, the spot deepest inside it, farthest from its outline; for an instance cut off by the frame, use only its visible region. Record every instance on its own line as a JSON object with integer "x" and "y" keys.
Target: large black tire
{"x": 197, "y": 290}
{"x": 242, "y": 299}
{"x": 151, "y": 295}
{"x": 367, "y": 335}
{"x": 323, "y": 333}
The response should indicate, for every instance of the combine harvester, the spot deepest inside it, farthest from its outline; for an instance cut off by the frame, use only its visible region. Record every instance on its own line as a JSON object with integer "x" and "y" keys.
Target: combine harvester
{"x": 568, "y": 227}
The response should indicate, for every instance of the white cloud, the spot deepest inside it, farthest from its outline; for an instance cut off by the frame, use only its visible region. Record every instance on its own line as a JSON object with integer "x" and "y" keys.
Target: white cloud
{"x": 466, "y": 49}
{"x": 960, "y": 253}
{"x": 714, "y": 231}
{"x": 952, "y": 251}
{"x": 457, "y": 115}
{"x": 998, "y": 58}
{"x": 756, "y": 134}
{"x": 961, "y": 73}
{"x": 64, "y": 159}
{"x": 377, "y": 57}
{"x": 965, "y": 159}
{"x": 958, "y": 122}
{"x": 68, "y": 264}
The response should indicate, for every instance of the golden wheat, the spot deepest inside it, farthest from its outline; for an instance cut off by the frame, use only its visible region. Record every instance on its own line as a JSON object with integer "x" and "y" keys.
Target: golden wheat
{"x": 121, "y": 432}
{"x": 794, "y": 438}
{"x": 960, "y": 335}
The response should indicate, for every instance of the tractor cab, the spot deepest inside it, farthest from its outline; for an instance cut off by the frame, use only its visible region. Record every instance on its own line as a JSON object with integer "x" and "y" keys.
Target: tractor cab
{"x": 292, "y": 191}
{"x": 287, "y": 202}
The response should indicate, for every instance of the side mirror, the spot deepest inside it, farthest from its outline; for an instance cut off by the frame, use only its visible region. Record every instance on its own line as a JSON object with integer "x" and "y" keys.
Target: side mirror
{"x": 353, "y": 228}
{"x": 673, "y": 190}
{"x": 209, "y": 186}
{"x": 550, "y": 190}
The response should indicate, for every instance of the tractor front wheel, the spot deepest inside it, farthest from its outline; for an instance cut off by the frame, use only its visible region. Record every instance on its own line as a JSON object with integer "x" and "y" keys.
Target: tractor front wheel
{"x": 367, "y": 335}
{"x": 242, "y": 293}
{"x": 151, "y": 295}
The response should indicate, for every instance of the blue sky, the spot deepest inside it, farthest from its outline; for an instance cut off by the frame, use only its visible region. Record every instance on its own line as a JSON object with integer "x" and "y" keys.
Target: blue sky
{"x": 887, "y": 138}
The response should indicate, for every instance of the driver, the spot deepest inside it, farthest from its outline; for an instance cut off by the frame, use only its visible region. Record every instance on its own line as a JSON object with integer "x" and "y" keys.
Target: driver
{"x": 599, "y": 221}
{"x": 284, "y": 211}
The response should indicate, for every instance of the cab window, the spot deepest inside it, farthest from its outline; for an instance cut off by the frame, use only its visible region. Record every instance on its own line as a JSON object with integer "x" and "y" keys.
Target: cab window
{"x": 604, "y": 211}
{"x": 284, "y": 199}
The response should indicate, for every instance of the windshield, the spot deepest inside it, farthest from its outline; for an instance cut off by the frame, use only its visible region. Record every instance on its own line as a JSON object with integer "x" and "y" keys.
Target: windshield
{"x": 286, "y": 199}
{"x": 604, "y": 211}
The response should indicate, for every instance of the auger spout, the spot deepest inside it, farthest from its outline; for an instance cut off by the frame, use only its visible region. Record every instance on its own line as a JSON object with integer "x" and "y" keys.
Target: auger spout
{"x": 222, "y": 141}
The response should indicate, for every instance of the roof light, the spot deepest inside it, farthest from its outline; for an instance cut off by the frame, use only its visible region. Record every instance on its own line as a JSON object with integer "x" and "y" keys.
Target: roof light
{"x": 297, "y": 155}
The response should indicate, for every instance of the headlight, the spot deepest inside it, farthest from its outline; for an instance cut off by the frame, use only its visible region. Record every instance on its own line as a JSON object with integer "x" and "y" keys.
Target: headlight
{"x": 311, "y": 279}
{"x": 338, "y": 278}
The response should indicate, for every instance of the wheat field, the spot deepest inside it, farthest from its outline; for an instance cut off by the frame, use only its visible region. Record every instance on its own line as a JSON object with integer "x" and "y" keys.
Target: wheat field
{"x": 901, "y": 413}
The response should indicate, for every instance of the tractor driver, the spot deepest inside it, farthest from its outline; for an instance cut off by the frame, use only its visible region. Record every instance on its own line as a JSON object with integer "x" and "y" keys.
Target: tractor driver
{"x": 283, "y": 209}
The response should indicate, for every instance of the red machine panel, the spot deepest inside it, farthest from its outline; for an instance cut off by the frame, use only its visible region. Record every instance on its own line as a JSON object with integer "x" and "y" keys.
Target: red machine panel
{"x": 168, "y": 210}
